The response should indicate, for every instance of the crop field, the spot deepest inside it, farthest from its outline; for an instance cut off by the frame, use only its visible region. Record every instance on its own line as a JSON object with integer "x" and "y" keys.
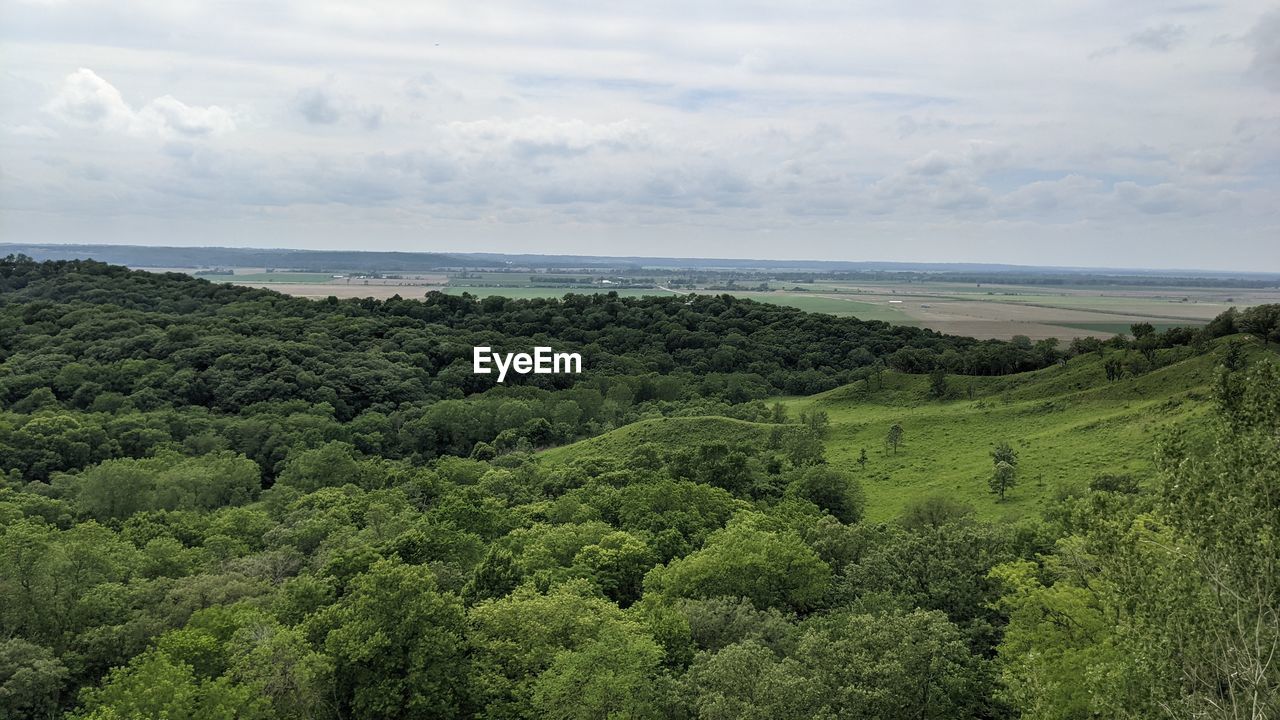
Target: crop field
{"x": 978, "y": 310}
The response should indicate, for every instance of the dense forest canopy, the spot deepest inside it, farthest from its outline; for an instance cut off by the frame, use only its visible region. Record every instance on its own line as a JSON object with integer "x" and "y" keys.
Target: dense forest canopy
{"x": 186, "y": 360}
{"x": 221, "y": 502}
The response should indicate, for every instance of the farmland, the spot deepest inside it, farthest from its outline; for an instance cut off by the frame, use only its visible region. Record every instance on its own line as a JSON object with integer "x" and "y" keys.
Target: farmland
{"x": 975, "y": 309}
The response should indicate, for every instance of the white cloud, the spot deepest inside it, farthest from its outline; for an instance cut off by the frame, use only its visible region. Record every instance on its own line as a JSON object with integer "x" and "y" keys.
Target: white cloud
{"x": 86, "y": 100}
{"x": 1265, "y": 39}
{"x": 736, "y": 128}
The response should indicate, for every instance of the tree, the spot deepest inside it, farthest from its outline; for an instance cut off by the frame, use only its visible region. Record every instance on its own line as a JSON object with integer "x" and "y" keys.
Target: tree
{"x": 1004, "y": 453}
{"x": 613, "y": 676}
{"x": 1262, "y": 321}
{"x": 749, "y": 681}
{"x": 31, "y": 680}
{"x": 515, "y": 639}
{"x": 894, "y": 437}
{"x": 938, "y": 387}
{"x": 862, "y": 459}
{"x": 1141, "y": 330}
{"x": 397, "y": 645}
{"x": 771, "y": 569}
{"x": 1220, "y": 501}
{"x": 1003, "y": 477}
{"x": 934, "y": 511}
{"x": 818, "y": 422}
{"x": 153, "y": 685}
{"x": 897, "y": 666}
{"x": 495, "y": 576}
{"x": 805, "y": 449}
{"x": 830, "y": 490}
{"x": 1113, "y": 366}
{"x": 618, "y": 562}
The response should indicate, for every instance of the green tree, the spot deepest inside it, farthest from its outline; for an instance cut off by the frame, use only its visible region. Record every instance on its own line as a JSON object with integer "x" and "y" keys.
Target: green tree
{"x": 32, "y": 679}
{"x": 934, "y": 511}
{"x": 1003, "y": 477}
{"x": 398, "y": 646}
{"x": 154, "y": 686}
{"x": 616, "y": 675}
{"x": 1141, "y": 330}
{"x": 495, "y": 576}
{"x": 938, "y": 387}
{"x": 1003, "y": 452}
{"x": 748, "y": 681}
{"x": 896, "y": 666}
{"x": 618, "y": 563}
{"x": 831, "y": 490}
{"x": 771, "y": 569}
{"x": 516, "y": 638}
{"x": 893, "y": 438}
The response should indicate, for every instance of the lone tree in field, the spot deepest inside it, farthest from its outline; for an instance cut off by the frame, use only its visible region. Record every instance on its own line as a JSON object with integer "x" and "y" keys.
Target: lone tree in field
{"x": 862, "y": 459}
{"x": 1004, "y": 477}
{"x": 1005, "y": 453}
{"x": 938, "y": 383}
{"x": 894, "y": 438}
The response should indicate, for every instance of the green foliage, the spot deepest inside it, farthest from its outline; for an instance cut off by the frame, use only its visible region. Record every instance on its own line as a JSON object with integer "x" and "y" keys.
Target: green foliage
{"x": 1167, "y": 603}
{"x": 934, "y": 511}
{"x": 893, "y": 438}
{"x": 31, "y": 680}
{"x": 771, "y": 569}
{"x": 1003, "y": 477}
{"x": 397, "y": 646}
{"x": 154, "y": 686}
{"x": 831, "y": 490}
{"x": 220, "y": 502}
{"x": 613, "y": 676}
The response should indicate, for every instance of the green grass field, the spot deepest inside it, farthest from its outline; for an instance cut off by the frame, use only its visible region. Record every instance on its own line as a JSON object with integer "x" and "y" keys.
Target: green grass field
{"x": 833, "y": 306}
{"x": 522, "y": 293}
{"x": 1120, "y": 328}
{"x": 1068, "y": 424}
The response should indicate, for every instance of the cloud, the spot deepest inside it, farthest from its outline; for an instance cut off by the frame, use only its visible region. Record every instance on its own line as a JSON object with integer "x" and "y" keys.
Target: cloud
{"x": 316, "y": 106}
{"x": 1265, "y": 39}
{"x": 168, "y": 115}
{"x": 86, "y": 100}
{"x": 1161, "y": 38}
{"x": 542, "y": 136}
{"x": 321, "y": 121}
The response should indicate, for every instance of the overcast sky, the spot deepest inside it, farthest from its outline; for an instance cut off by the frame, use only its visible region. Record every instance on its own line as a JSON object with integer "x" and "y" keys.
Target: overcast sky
{"x": 1128, "y": 133}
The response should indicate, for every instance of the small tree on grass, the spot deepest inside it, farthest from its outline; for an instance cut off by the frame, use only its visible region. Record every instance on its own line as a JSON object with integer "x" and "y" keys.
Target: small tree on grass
{"x": 894, "y": 438}
{"x": 862, "y": 459}
{"x": 1003, "y": 478}
{"x": 1005, "y": 453}
{"x": 938, "y": 383}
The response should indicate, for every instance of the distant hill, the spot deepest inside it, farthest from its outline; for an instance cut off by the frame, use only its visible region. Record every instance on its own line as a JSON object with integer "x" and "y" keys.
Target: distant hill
{"x": 359, "y": 260}
{"x": 283, "y": 259}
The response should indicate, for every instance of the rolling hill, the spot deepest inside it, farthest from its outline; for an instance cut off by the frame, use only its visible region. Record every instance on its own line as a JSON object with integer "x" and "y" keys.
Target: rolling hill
{"x": 1068, "y": 423}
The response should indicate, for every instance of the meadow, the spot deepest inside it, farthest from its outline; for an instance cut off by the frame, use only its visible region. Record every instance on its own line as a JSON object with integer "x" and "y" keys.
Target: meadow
{"x": 1068, "y": 424}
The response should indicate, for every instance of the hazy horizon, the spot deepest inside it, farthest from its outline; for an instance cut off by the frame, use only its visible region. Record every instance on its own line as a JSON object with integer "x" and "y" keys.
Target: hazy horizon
{"x": 1065, "y": 135}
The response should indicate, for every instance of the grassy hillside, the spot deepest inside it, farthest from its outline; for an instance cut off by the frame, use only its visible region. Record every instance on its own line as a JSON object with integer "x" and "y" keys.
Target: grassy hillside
{"x": 1068, "y": 424}
{"x": 665, "y": 432}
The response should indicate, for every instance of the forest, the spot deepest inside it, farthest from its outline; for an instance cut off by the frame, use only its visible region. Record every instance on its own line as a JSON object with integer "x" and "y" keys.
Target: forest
{"x": 222, "y": 502}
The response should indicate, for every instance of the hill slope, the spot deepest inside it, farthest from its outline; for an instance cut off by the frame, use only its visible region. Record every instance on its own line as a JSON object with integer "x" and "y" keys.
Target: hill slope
{"x": 1068, "y": 423}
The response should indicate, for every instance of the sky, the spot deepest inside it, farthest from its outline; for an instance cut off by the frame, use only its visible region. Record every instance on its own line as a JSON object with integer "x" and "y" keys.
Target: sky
{"x": 1083, "y": 133}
